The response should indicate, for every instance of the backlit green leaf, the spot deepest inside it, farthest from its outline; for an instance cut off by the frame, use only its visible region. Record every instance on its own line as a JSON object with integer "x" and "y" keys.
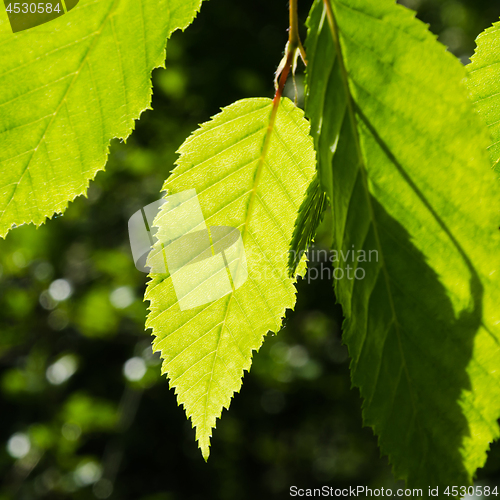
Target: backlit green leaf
{"x": 70, "y": 86}
{"x": 248, "y": 174}
{"x": 402, "y": 157}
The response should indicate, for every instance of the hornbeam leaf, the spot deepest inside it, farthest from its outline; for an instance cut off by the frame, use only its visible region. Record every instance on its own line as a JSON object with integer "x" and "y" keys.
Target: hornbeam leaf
{"x": 484, "y": 84}
{"x": 70, "y": 86}
{"x": 246, "y": 169}
{"x": 403, "y": 158}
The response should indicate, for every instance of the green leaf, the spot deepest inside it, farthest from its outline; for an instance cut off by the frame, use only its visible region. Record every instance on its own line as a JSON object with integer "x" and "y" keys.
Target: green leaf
{"x": 250, "y": 172}
{"x": 402, "y": 157}
{"x": 310, "y": 216}
{"x": 484, "y": 84}
{"x": 70, "y": 86}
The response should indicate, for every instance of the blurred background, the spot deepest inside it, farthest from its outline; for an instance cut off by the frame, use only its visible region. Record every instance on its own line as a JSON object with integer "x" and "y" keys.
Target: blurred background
{"x": 84, "y": 412}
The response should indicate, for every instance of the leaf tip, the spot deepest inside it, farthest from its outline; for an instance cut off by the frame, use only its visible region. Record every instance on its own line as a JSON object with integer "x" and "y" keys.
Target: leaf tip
{"x": 205, "y": 451}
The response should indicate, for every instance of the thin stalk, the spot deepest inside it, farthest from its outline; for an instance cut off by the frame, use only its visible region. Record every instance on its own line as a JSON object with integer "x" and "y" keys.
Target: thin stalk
{"x": 293, "y": 34}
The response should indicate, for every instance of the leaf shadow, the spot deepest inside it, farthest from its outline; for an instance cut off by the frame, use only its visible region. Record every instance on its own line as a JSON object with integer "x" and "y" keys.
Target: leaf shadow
{"x": 417, "y": 347}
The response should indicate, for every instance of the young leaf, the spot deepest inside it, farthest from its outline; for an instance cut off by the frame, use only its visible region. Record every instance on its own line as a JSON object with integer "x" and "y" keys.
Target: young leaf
{"x": 250, "y": 172}
{"x": 402, "y": 156}
{"x": 68, "y": 87}
{"x": 484, "y": 84}
{"x": 310, "y": 216}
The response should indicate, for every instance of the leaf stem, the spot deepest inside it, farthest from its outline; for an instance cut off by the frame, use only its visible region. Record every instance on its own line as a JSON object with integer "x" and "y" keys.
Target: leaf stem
{"x": 293, "y": 34}
{"x": 283, "y": 76}
{"x": 293, "y": 50}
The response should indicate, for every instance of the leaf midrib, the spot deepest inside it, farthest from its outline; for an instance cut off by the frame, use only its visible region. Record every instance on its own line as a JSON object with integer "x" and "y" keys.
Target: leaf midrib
{"x": 253, "y": 196}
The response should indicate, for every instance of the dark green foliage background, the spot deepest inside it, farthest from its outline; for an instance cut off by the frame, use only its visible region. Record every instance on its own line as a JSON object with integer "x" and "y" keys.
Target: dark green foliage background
{"x": 296, "y": 420}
